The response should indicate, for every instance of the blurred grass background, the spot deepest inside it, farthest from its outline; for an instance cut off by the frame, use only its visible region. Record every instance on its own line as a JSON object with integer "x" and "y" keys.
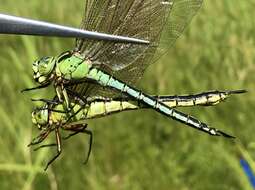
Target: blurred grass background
{"x": 140, "y": 150}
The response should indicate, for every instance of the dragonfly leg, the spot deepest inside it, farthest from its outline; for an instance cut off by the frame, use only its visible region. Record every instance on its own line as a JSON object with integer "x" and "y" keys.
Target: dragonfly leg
{"x": 63, "y": 95}
{"x": 54, "y": 102}
{"x": 65, "y": 138}
{"x": 59, "y": 93}
{"x": 82, "y": 103}
{"x": 45, "y": 146}
{"x": 74, "y": 114}
{"x": 80, "y": 128}
{"x": 76, "y": 95}
{"x": 82, "y": 106}
{"x": 35, "y": 88}
{"x": 59, "y": 111}
{"x": 88, "y": 132}
{"x": 58, "y": 144}
{"x": 75, "y": 128}
{"x": 66, "y": 98}
{"x": 40, "y": 138}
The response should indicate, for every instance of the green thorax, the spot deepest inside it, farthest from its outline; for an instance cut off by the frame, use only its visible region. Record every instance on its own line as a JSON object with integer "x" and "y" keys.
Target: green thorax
{"x": 72, "y": 66}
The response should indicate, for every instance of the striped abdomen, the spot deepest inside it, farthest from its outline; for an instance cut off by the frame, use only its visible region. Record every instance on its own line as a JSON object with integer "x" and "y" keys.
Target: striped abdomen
{"x": 109, "y": 81}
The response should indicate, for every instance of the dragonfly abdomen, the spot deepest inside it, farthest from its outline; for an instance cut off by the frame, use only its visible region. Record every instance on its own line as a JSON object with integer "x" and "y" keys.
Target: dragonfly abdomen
{"x": 100, "y": 109}
{"x": 110, "y": 81}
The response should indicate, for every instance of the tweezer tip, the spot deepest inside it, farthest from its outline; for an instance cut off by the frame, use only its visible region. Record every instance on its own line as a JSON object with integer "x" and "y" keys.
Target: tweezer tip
{"x": 146, "y": 42}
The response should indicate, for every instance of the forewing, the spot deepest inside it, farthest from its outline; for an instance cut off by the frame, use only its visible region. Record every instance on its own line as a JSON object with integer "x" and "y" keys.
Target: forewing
{"x": 160, "y": 22}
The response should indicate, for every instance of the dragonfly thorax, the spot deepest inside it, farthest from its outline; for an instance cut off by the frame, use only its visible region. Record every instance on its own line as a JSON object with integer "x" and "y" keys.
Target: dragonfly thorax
{"x": 43, "y": 69}
{"x": 72, "y": 66}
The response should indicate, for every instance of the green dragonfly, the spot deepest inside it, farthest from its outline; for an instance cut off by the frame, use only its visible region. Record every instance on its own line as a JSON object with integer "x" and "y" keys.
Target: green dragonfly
{"x": 111, "y": 69}
{"x": 52, "y": 116}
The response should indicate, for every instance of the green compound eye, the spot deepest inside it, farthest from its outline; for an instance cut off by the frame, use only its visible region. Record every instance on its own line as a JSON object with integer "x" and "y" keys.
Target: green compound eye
{"x": 46, "y": 65}
{"x": 43, "y": 68}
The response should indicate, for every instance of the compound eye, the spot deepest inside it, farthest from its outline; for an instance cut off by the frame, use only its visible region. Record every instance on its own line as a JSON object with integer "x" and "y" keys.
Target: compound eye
{"x": 44, "y": 60}
{"x": 43, "y": 69}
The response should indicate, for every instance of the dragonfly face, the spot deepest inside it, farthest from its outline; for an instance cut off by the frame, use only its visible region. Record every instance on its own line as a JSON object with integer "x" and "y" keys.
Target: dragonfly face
{"x": 40, "y": 117}
{"x": 43, "y": 69}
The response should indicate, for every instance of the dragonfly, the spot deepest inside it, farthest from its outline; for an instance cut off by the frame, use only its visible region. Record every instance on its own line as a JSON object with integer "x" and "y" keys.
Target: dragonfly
{"x": 111, "y": 69}
{"x": 50, "y": 115}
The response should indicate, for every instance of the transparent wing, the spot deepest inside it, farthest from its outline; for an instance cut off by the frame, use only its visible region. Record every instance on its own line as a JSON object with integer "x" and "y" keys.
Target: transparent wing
{"x": 159, "y": 21}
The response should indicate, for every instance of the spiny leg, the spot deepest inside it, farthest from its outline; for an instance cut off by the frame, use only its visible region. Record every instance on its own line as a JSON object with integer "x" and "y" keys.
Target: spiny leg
{"x": 48, "y": 107}
{"x": 63, "y": 93}
{"x": 40, "y": 138}
{"x": 60, "y": 111}
{"x": 64, "y": 138}
{"x": 35, "y": 88}
{"x": 58, "y": 143}
{"x": 53, "y": 144}
{"x": 74, "y": 114}
{"x": 80, "y": 128}
{"x": 54, "y": 102}
{"x": 45, "y": 146}
{"x": 75, "y": 128}
{"x": 76, "y": 95}
{"x": 80, "y": 98}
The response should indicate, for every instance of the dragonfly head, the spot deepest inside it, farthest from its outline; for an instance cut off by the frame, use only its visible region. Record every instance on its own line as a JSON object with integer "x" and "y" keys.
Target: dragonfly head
{"x": 40, "y": 117}
{"x": 43, "y": 69}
